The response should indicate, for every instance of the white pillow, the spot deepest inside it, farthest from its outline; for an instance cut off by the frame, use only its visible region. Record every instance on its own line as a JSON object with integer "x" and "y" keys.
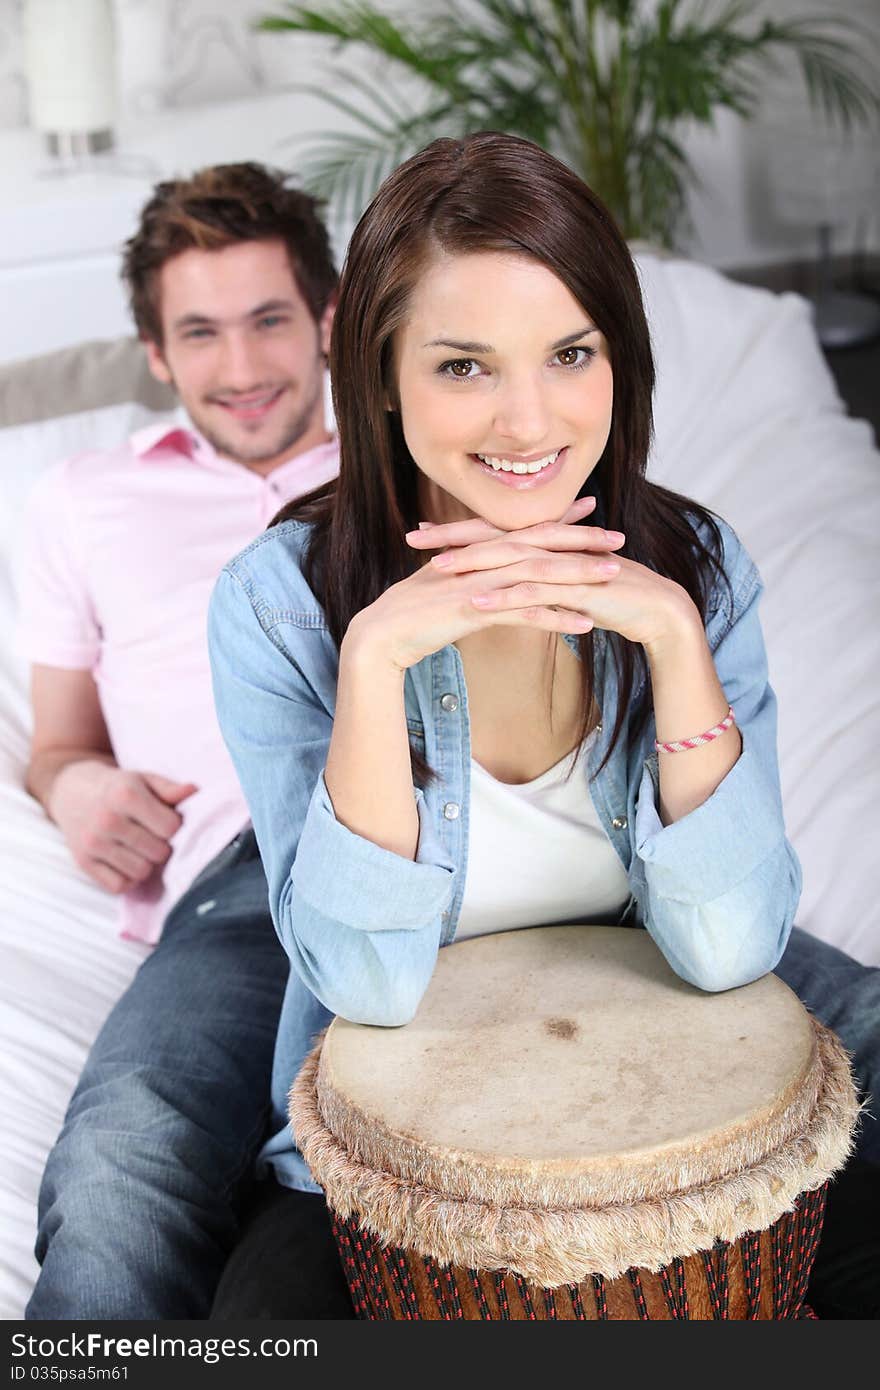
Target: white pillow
{"x": 749, "y": 422}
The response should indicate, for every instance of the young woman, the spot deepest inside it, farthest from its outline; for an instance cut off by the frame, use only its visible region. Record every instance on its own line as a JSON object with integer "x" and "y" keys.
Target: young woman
{"x": 493, "y": 677}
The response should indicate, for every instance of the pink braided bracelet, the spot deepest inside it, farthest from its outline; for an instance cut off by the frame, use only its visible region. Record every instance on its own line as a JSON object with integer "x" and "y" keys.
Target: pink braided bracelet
{"x": 682, "y": 745}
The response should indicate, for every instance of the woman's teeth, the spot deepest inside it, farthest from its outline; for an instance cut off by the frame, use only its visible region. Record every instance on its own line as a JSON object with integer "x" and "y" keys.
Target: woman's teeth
{"x": 506, "y": 466}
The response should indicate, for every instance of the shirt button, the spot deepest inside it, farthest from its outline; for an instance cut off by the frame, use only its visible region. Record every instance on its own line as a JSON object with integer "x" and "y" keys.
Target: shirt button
{"x": 619, "y": 823}
{"x": 451, "y": 810}
{"x": 449, "y": 703}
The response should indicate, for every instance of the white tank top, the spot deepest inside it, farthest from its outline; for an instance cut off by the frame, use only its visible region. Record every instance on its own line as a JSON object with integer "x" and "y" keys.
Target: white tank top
{"x": 537, "y": 854}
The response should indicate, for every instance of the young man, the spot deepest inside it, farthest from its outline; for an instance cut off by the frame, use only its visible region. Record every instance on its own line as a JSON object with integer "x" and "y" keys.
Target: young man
{"x": 231, "y": 281}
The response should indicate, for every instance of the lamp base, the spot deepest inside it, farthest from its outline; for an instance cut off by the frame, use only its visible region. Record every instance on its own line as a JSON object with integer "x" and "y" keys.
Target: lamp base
{"x": 844, "y": 320}
{"x": 78, "y": 144}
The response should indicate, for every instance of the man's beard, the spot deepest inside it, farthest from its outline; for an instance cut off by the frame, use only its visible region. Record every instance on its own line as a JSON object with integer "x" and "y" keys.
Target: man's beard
{"x": 261, "y": 452}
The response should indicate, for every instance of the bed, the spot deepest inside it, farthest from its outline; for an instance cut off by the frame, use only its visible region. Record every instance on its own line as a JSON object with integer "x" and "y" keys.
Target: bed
{"x": 748, "y": 420}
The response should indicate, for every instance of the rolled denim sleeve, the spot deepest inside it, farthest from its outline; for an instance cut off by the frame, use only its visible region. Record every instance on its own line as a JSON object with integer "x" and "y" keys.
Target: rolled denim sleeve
{"x": 360, "y": 924}
{"x": 721, "y": 885}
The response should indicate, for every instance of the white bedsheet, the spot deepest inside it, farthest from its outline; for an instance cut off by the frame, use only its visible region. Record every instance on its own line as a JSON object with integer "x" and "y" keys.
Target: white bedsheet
{"x": 749, "y": 422}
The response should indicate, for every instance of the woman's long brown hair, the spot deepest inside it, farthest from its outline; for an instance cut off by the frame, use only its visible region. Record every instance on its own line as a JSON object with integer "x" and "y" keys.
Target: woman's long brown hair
{"x": 488, "y": 192}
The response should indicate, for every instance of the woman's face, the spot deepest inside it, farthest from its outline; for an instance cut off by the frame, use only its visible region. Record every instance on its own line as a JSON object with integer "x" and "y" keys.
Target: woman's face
{"x": 505, "y": 390}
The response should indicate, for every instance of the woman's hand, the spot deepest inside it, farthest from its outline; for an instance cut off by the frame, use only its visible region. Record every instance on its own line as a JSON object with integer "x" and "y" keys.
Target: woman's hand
{"x": 435, "y": 606}
{"x": 528, "y": 576}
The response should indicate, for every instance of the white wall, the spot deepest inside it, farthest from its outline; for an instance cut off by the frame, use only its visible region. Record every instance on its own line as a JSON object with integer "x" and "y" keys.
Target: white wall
{"x": 192, "y": 52}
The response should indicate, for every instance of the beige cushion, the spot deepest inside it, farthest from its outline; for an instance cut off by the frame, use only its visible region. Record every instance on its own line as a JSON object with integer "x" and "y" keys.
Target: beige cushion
{"x": 87, "y": 377}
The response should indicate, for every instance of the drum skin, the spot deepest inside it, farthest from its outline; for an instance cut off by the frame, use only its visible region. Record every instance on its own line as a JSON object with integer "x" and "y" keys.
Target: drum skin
{"x": 567, "y": 1129}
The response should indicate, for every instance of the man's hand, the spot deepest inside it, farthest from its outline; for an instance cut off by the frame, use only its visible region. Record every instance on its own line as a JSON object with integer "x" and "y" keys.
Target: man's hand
{"x": 118, "y": 824}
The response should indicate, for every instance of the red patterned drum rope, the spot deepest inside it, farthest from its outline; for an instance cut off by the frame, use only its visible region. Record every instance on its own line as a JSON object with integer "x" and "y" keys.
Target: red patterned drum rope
{"x": 395, "y": 1263}
{"x": 813, "y": 1214}
{"x": 452, "y": 1290}
{"x": 574, "y": 1294}
{"x": 501, "y": 1295}
{"x": 638, "y": 1294}
{"x": 750, "y": 1245}
{"x": 480, "y": 1296}
{"x": 432, "y": 1270}
{"x": 783, "y": 1248}
{"x": 676, "y": 1293}
{"x": 525, "y": 1298}
{"x": 715, "y": 1265}
{"x": 796, "y": 1234}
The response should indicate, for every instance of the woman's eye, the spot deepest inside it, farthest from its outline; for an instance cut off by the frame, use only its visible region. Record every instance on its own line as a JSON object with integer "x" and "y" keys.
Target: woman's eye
{"x": 575, "y": 356}
{"x": 463, "y": 368}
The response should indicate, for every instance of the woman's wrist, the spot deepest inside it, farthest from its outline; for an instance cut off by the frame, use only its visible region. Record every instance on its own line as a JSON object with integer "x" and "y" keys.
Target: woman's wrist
{"x": 680, "y": 637}
{"x": 364, "y": 649}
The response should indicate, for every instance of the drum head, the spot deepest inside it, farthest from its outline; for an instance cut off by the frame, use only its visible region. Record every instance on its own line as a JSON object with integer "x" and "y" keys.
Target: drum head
{"x": 568, "y": 1069}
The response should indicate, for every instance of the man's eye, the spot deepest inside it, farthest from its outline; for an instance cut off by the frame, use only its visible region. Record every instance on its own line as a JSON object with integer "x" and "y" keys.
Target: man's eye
{"x": 460, "y": 368}
{"x": 198, "y": 333}
{"x": 271, "y": 320}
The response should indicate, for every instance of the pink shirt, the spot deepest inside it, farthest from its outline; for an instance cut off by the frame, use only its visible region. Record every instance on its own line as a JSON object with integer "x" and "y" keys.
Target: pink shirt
{"x": 122, "y": 552}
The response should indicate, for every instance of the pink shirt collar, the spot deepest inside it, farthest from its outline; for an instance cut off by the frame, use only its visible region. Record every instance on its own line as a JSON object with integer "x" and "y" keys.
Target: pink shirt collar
{"x": 177, "y": 432}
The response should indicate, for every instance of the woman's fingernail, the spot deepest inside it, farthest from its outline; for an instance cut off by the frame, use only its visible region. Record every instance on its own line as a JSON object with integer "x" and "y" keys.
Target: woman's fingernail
{"x": 425, "y": 525}
{"x": 441, "y": 560}
{"x": 615, "y": 536}
{"x": 609, "y": 567}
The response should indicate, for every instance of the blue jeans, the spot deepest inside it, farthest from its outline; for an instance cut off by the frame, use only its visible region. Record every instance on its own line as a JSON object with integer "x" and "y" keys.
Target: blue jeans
{"x": 845, "y": 996}
{"x": 139, "y": 1206}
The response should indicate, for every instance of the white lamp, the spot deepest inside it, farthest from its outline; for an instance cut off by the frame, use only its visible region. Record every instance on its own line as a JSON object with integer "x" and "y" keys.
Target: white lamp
{"x": 826, "y": 178}
{"x": 70, "y": 68}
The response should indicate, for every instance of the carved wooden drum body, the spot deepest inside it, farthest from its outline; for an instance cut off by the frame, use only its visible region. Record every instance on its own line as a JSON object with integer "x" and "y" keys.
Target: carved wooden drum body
{"x": 568, "y": 1130}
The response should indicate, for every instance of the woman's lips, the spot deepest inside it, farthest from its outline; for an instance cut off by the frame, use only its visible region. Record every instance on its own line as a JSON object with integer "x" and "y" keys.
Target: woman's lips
{"x": 524, "y": 482}
{"x": 252, "y": 407}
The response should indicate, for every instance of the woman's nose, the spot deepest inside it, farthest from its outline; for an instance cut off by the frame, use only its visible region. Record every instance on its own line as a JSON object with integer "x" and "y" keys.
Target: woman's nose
{"x": 522, "y": 415}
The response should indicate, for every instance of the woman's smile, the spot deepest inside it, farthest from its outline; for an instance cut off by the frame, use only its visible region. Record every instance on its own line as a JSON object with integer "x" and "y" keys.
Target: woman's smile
{"x": 522, "y": 473}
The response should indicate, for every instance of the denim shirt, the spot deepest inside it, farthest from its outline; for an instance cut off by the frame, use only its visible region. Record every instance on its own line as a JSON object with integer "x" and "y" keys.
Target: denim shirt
{"x": 716, "y": 890}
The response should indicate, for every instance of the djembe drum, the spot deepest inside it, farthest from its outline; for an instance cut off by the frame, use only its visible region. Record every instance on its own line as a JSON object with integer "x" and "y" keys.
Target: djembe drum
{"x": 568, "y": 1130}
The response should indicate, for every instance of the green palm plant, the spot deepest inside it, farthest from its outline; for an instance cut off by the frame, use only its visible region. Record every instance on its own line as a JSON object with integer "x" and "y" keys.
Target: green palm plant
{"x": 604, "y": 84}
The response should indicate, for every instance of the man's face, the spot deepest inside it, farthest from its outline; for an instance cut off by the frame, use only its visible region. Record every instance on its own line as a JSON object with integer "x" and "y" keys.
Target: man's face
{"x": 242, "y": 350}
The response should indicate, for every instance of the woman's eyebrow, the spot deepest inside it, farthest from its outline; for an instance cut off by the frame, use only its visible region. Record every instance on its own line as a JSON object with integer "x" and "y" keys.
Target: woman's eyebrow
{"x": 459, "y": 347}
{"x": 573, "y": 338}
{"x": 487, "y": 347}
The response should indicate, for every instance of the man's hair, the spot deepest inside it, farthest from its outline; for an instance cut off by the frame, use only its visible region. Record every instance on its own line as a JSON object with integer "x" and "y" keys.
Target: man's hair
{"x": 221, "y": 206}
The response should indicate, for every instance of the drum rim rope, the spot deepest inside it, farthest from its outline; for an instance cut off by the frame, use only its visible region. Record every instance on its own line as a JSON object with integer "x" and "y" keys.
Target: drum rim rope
{"x": 556, "y": 1246}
